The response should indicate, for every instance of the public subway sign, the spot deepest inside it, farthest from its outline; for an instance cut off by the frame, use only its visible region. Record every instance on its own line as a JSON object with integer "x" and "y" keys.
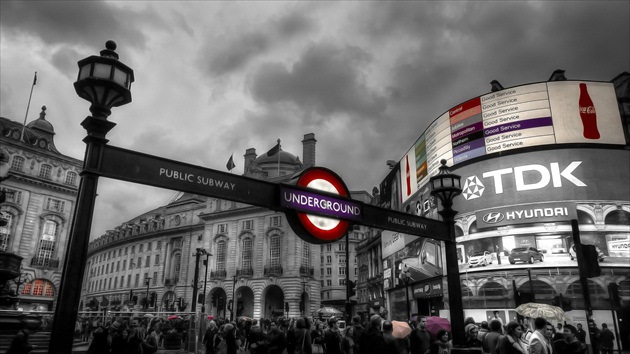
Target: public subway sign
{"x": 318, "y": 205}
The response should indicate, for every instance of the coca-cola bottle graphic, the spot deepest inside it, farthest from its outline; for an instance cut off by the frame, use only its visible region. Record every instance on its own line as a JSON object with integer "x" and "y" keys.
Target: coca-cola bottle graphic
{"x": 588, "y": 114}
{"x": 408, "y": 175}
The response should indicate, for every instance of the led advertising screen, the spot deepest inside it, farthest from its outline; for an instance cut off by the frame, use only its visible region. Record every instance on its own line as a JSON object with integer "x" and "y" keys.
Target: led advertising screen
{"x": 548, "y": 113}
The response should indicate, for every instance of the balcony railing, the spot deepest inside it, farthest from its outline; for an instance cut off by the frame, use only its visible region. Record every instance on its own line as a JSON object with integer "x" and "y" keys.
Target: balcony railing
{"x": 306, "y": 271}
{"x": 218, "y": 274}
{"x": 245, "y": 272}
{"x": 44, "y": 262}
{"x": 275, "y": 270}
{"x": 171, "y": 282}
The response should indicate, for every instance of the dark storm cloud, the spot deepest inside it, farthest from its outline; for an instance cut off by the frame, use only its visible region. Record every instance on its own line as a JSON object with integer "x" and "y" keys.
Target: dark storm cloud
{"x": 326, "y": 79}
{"x": 73, "y": 22}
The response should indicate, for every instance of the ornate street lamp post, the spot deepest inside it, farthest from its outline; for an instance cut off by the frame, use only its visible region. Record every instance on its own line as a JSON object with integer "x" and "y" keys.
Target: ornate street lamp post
{"x": 446, "y": 186}
{"x": 405, "y": 276}
{"x": 199, "y": 252}
{"x": 205, "y": 283}
{"x": 148, "y": 280}
{"x": 105, "y": 82}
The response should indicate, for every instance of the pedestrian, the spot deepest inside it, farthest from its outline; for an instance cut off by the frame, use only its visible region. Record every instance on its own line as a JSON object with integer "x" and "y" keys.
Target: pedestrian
{"x": 276, "y": 339}
{"x": 496, "y": 317}
{"x": 569, "y": 344}
{"x": 134, "y": 341}
{"x": 511, "y": 342}
{"x": 594, "y": 335}
{"x": 372, "y": 341}
{"x": 20, "y": 343}
{"x": 332, "y": 337}
{"x": 558, "y": 333}
{"x": 357, "y": 332}
{"x": 484, "y": 329}
{"x": 471, "y": 331}
{"x": 119, "y": 340}
{"x": 100, "y": 343}
{"x": 491, "y": 340}
{"x": 347, "y": 342}
{"x": 229, "y": 335}
{"x": 538, "y": 343}
{"x": 442, "y": 343}
{"x": 302, "y": 338}
{"x": 256, "y": 339}
{"x": 419, "y": 338}
{"x": 210, "y": 336}
{"x": 606, "y": 340}
{"x": 581, "y": 333}
{"x": 390, "y": 340}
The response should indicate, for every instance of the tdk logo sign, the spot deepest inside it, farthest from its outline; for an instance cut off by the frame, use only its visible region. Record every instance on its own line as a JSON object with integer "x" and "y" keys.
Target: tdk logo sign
{"x": 540, "y": 176}
{"x": 493, "y": 218}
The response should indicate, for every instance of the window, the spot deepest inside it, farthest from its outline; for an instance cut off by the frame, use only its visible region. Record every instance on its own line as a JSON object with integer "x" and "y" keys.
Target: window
{"x": 5, "y": 231}
{"x": 328, "y": 247}
{"x": 199, "y": 238}
{"x": 246, "y": 258}
{"x": 129, "y": 281}
{"x": 221, "y": 251}
{"x": 342, "y": 259}
{"x": 126, "y": 248}
{"x": 342, "y": 270}
{"x": 124, "y": 264}
{"x": 342, "y": 246}
{"x": 177, "y": 266}
{"x": 274, "y": 251}
{"x": 55, "y": 205}
{"x": 122, "y": 280}
{"x": 154, "y": 278}
{"x": 328, "y": 282}
{"x": 159, "y": 245}
{"x": 137, "y": 280}
{"x": 71, "y": 178}
{"x": 141, "y": 248}
{"x": 139, "y": 262}
{"x": 47, "y": 243}
{"x": 45, "y": 171}
{"x": 149, "y": 246}
{"x": 147, "y": 263}
{"x": 109, "y": 286}
{"x": 275, "y": 221}
{"x": 118, "y": 266}
{"x": 328, "y": 259}
{"x": 12, "y": 195}
{"x": 17, "y": 163}
{"x": 157, "y": 259}
{"x": 133, "y": 249}
{"x": 342, "y": 282}
{"x": 306, "y": 254}
{"x": 222, "y": 228}
{"x": 328, "y": 271}
{"x": 115, "y": 283}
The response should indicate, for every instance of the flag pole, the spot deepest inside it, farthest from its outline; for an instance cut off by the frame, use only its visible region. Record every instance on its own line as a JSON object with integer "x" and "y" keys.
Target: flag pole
{"x": 28, "y": 105}
{"x": 279, "y": 148}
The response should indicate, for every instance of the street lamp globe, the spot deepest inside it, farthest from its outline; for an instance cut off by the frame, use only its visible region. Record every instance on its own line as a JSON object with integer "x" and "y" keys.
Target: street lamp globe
{"x": 445, "y": 185}
{"x": 104, "y": 81}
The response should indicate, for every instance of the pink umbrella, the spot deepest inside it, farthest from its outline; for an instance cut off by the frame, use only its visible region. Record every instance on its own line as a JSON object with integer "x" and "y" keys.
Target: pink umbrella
{"x": 400, "y": 329}
{"x": 174, "y": 317}
{"x": 435, "y": 324}
{"x": 210, "y": 318}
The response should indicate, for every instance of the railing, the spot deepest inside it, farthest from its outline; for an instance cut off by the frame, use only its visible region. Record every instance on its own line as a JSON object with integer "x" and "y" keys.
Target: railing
{"x": 306, "y": 271}
{"x": 275, "y": 270}
{"x": 171, "y": 282}
{"x": 44, "y": 262}
{"x": 218, "y": 274}
{"x": 245, "y": 272}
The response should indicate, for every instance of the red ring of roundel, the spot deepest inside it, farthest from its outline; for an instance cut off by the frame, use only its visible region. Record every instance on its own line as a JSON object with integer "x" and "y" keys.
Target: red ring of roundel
{"x": 338, "y": 231}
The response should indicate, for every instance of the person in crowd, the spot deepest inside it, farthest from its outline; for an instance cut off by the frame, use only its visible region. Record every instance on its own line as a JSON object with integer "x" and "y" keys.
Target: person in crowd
{"x": 372, "y": 341}
{"x": 469, "y": 320}
{"x": 348, "y": 345}
{"x": 357, "y": 332}
{"x": 538, "y": 343}
{"x": 276, "y": 339}
{"x": 302, "y": 337}
{"x": 558, "y": 333}
{"x": 20, "y": 343}
{"x": 569, "y": 344}
{"x": 491, "y": 340}
{"x": 442, "y": 343}
{"x": 85, "y": 334}
{"x": 100, "y": 343}
{"x": 291, "y": 336}
{"x": 594, "y": 335}
{"x": 317, "y": 334}
{"x": 135, "y": 341}
{"x": 511, "y": 342}
{"x": 390, "y": 340}
{"x": 527, "y": 332}
{"x": 581, "y": 333}
{"x": 210, "y": 336}
{"x": 229, "y": 335}
{"x": 484, "y": 329}
{"x": 256, "y": 339}
{"x": 496, "y": 317}
{"x": 606, "y": 340}
{"x": 420, "y": 338}
{"x": 471, "y": 331}
{"x": 550, "y": 332}
{"x": 119, "y": 340}
{"x": 332, "y": 337}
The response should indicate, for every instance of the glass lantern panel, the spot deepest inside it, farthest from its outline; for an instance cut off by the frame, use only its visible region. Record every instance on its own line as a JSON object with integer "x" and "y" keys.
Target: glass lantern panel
{"x": 120, "y": 77}
{"x": 84, "y": 71}
{"x": 102, "y": 71}
{"x": 447, "y": 182}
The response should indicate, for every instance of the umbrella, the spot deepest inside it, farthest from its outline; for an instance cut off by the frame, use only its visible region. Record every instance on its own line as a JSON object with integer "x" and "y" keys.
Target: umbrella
{"x": 548, "y": 312}
{"x": 210, "y": 318}
{"x": 401, "y": 329}
{"x": 244, "y": 318}
{"x": 148, "y": 315}
{"x": 329, "y": 311}
{"x": 435, "y": 324}
{"x": 174, "y": 317}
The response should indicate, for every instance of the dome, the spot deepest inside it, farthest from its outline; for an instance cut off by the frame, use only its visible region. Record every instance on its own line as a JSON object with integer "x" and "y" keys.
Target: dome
{"x": 41, "y": 123}
{"x": 285, "y": 157}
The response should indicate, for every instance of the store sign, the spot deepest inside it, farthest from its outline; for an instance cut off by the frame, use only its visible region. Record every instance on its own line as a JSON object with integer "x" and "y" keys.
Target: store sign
{"x": 427, "y": 289}
{"x": 525, "y": 214}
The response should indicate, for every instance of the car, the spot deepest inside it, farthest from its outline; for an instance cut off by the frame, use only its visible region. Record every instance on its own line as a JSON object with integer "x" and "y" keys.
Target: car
{"x": 481, "y": 258}
{"x": 525, "y": 254}
{"x": 600, "y": 254}
{"x": 558, "y": 248}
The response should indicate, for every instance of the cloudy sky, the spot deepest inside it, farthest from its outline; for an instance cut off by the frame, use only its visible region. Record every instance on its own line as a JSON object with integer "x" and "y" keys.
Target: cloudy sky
{"x": 216, "y": 78}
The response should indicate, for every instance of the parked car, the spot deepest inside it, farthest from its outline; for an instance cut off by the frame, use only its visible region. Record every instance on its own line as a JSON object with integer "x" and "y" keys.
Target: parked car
{"x": 482, "y": 258}
{"x": 558, "y": 248}
{"x": 600, "y": 254}
{"x": 525, "y": 254}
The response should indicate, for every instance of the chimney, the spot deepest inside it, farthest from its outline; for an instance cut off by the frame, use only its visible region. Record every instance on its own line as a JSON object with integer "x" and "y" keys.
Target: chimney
{"x": 250, "y": 156}
{"x": 308, "y": 150}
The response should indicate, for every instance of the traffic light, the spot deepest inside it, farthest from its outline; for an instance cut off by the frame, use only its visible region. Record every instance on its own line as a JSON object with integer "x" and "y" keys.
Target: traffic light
{"x": 153, "y": 299}
{"x": 352, "y": 285}
{"x": 214, "y": 300}
{"x": 286, "y": 307}
{"x": 230, "y": 304}
{"x": 201, "y": 298}
{"x": 591, "y": 259}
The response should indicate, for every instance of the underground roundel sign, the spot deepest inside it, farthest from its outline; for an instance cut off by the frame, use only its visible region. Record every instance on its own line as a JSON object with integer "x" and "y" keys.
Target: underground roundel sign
{"x": 314, "y": 210}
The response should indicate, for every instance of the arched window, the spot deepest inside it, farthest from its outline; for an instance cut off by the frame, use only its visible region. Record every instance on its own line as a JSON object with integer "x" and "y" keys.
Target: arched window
{"x": 274, "y": 251}
{"x": 5, "y": 231}
{"x": 492, "y": 288}
{"x": 618, "y": 217}
{"x": 71, "y": 178}
{"x": 221, "y": 253}
{"x": 45, "y": 171}
{"x": 584, "y": 218}
{"x": 473, "y": 228}
{"x": 47, "y": 243}
{"x": 246, "y": 257}
{"x": 17, "y": 163}
{"x": 177, "y": 264}
{"x": 39, "y": 287}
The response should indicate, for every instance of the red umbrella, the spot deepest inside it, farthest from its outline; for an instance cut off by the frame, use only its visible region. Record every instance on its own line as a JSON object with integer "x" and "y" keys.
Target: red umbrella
{"x": 435, "y": 324}
{"x": 174, "y": 317}
{"x": 210, "y": 318}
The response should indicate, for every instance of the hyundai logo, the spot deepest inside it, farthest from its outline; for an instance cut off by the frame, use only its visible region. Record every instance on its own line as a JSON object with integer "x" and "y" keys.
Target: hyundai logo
{"x": 493, "y": 218}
